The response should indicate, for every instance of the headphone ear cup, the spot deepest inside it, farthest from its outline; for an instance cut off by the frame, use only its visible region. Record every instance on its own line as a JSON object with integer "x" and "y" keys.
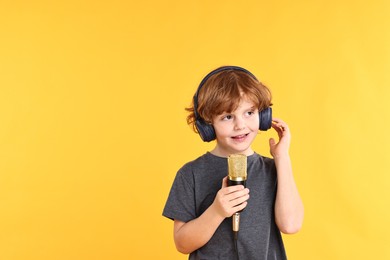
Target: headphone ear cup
{"x": 205, "y": 130}
{"x": 265, "y": 117}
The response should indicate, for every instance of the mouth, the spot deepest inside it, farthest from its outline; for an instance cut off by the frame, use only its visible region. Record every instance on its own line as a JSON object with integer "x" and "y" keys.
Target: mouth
{"x": 240, "y": 137}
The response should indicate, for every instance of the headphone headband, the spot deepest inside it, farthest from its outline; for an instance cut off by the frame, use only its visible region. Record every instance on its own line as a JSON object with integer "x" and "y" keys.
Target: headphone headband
{"x": 224, "y": 68}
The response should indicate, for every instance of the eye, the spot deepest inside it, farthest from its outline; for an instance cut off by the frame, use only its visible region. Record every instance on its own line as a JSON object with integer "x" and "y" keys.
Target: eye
{"x": 249, "y": 113}
{"x": 227, "y": 117}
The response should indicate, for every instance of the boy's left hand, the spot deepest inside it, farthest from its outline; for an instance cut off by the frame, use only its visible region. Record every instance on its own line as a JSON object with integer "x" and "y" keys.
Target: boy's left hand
{"x": 281, "y": 148}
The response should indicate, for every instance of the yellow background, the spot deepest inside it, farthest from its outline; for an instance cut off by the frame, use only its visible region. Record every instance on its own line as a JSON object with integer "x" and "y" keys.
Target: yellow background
{"x": 92, "y": 97}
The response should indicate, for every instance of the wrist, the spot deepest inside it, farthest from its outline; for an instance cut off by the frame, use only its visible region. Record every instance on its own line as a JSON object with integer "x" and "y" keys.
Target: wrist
{"x": 216, "y": 212}
{"x": 282, "y": 160}
{"x": 281, "y": 156}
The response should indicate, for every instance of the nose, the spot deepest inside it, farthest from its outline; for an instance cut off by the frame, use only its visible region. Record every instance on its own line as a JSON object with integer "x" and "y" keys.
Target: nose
{"x": 239, "y": 124}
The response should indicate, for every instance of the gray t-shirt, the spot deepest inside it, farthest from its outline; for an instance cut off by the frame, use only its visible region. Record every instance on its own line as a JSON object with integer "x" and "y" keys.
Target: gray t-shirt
{"x": 194, "y": 189}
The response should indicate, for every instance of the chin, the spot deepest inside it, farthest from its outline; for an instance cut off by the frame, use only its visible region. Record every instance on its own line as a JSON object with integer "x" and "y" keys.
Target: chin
{"x": 245, "y": 151}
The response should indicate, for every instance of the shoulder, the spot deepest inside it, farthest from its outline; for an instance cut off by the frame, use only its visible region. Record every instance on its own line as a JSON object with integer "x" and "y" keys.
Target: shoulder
{"x": 262, "y": 159}
{"x": 266, "y": 164}
{"x": 190, "y": 168}
{"x": 194, "y": 164}
{"x": 203, "y": 162}
{"x": 268, "y": 161}
{"x": 205, "y": 167}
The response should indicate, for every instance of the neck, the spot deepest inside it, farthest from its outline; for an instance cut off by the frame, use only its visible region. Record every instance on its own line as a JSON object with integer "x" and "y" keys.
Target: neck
{"x": 217, "y": 151}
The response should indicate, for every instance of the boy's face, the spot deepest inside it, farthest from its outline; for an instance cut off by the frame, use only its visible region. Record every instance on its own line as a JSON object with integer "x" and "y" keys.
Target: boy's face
{"x": 236, "y": 131}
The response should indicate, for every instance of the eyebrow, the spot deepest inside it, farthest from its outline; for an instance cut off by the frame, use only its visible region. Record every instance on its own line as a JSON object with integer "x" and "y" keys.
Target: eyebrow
{"x": 252, "y": 108}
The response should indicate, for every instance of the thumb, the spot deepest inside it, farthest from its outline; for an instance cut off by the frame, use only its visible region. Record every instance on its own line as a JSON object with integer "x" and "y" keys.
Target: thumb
{"x": 224, "y": 182}
{"x": 272, "y": 142}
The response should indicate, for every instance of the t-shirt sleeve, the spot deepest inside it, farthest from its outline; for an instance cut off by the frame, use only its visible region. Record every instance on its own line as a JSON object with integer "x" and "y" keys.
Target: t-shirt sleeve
{"x": 180, "y": 204}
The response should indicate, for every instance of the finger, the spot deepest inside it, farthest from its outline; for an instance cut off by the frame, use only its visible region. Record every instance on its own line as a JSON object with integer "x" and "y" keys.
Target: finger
{"x": 278, "y": 130}
{"x": 272, "y": 142}
{"x": 281, "y": 124}
{"x": 232, "y": 189}
{"x": 236, "y": 195}
{"x": 240, "y": 200}
{"x": 281, "y": 129}
{"x": 240, "y": 207}
{"x": 277, "y": 120}
{"x": 224, "y": 182}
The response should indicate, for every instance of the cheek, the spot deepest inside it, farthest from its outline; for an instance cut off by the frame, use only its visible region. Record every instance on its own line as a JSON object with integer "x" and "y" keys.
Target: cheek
{"x": 255, "y": 123}
{"x": 221, "y": 131}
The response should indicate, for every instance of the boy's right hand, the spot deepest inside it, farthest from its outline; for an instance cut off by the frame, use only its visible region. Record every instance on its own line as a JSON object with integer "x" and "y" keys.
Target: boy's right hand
{"x": 230, "y": 199}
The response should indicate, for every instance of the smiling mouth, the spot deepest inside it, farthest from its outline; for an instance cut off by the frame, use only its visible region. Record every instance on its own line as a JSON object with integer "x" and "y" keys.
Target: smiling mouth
{"x": 238, "y": 137}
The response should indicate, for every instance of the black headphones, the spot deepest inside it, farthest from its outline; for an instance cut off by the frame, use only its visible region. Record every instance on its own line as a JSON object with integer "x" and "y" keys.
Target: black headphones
{"x": 206, "y": 130}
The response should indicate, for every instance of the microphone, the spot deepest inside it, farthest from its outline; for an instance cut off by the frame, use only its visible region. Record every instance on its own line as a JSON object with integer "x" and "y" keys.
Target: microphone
{"x": 237, "y": 165}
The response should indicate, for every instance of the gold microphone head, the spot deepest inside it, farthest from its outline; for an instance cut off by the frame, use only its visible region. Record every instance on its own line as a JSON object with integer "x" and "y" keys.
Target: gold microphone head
{"x": 237, "y": 164}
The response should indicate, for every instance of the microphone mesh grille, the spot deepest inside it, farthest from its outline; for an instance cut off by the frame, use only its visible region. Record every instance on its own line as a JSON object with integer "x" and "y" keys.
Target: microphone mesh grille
{"x": 237, "y": 164}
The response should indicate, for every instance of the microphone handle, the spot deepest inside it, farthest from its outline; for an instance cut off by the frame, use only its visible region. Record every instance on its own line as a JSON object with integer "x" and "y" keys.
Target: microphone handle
{"x": 233, "y": 183}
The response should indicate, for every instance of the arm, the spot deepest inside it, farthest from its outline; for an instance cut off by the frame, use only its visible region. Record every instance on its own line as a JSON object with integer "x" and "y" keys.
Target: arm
{"x": 288, "y": 206}
{"x": 192, "y": 235}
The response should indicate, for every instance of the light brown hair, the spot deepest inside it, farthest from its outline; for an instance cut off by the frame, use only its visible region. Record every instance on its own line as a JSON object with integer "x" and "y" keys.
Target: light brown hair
{"x": 223, "y": 91}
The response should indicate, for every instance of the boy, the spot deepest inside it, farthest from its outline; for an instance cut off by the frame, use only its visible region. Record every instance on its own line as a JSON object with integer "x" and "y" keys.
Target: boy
{"x": 229, "y": 106}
